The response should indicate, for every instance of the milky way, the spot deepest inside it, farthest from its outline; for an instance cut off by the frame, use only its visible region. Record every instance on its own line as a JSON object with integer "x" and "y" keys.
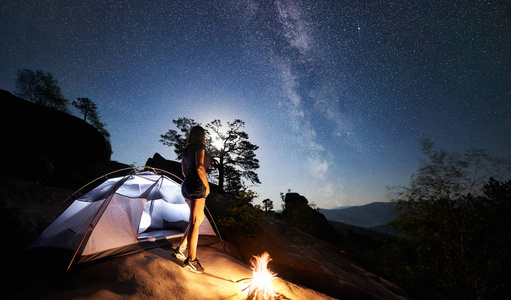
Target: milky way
{"x": 337, "y": 94}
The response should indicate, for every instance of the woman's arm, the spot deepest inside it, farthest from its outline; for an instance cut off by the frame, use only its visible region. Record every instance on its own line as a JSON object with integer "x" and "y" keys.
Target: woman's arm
{"x": 201, "y": 170}
{"x": 183, "y": 167}
{"x": 207, "y": 160}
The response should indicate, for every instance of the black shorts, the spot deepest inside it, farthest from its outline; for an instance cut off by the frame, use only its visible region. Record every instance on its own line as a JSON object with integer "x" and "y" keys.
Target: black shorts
{"x": 193, "y": 188}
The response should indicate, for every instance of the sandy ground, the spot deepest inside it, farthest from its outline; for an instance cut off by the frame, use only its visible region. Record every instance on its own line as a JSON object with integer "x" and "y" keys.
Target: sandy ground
{"x": 153, "y": 274}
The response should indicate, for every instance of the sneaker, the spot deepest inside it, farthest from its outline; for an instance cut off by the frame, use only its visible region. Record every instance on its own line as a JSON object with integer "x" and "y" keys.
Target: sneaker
{"x": 179, "y": 253}
{"x": 193, "y": 265}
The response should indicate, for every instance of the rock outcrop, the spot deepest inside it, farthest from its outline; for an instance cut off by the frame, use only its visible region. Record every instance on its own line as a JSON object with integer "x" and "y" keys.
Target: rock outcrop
{"x": 48, "y": 146}
{"x": 298, "y": 213}
{"x": 159, "y": 162}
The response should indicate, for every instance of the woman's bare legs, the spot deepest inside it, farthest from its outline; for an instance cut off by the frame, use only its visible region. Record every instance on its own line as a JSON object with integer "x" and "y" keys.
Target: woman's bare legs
{"x": 196, "y": 218}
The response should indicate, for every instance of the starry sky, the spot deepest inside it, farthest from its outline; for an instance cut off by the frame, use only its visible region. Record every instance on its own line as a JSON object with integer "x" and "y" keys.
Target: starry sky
{"x": 337, "y": 94}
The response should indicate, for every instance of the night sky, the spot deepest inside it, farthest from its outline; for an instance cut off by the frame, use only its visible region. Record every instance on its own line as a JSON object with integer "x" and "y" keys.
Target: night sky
{"x": 337, "y": 94}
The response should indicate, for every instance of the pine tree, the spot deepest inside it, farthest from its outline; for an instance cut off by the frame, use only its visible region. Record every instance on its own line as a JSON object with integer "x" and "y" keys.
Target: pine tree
{"x": 86, "y": 107}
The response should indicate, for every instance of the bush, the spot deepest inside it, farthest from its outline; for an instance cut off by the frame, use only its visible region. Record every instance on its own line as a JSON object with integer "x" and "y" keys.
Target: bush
{"x": 456, "y": 226}
{"x": 243, "y": 216}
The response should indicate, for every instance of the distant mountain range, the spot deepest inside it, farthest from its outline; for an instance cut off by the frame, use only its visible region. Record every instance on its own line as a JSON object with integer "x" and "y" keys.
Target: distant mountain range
{"x": 370, "y": 215}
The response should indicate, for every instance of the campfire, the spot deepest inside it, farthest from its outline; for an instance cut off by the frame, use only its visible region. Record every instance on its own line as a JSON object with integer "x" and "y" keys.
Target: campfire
{"x": 260, "y": 287}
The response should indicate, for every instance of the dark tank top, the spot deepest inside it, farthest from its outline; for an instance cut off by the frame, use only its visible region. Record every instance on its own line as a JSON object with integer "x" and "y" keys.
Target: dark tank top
{"x": 189, "y": 158}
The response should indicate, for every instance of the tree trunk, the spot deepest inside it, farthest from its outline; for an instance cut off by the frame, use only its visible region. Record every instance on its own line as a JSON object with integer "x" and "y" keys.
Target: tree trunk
{"x": 221, "y": 172}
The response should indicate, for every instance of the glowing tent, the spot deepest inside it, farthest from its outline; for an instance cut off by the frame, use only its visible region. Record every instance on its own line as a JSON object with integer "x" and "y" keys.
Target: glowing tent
{"x": 123, "y": 215}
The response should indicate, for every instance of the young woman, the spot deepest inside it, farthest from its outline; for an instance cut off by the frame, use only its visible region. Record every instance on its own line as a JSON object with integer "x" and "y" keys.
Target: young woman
{"x": 195, "y": 189}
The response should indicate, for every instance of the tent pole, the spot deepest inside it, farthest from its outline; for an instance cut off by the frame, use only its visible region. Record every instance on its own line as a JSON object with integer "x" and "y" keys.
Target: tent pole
{"x": 214, "y": 223}
{"x": 79, "y": 246}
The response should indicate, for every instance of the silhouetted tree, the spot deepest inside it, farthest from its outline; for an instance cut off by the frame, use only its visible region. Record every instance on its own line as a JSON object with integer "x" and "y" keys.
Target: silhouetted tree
{"x": 90, "y": 109}
{"x": 177, "y": 139}
{"x": 267, "y": 204}
{"x": 40, "y": 88}
{"x": 86, "y": 107}
{"x": 457, "y": 224}
{"x": 26, "y": 85}
{"x": 232, "y": 179}
{"x": 233, "y": 154}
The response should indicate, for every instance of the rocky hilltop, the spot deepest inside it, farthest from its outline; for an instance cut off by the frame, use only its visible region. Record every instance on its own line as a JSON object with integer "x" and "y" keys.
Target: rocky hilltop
{"x": 48, "y": 146}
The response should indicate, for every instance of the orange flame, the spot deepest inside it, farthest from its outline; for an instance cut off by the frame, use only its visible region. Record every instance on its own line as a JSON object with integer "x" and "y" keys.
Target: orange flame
{"x": 260, "y": 286}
